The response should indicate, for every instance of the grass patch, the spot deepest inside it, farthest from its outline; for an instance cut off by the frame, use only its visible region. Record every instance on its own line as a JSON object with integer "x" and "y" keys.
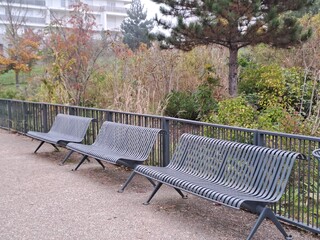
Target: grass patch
{"x": 8, "y": 80}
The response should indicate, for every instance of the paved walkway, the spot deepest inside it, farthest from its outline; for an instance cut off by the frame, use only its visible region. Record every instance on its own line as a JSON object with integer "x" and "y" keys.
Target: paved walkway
{"x": 41, "y": 200}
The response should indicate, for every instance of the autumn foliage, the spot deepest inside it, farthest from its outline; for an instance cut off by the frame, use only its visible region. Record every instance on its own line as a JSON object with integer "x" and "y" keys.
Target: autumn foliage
{"x": 22, "y": 52}
{"x": 74, "y": 52}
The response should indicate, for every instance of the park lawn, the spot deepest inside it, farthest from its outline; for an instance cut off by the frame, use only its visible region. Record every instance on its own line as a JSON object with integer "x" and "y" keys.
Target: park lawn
{"x": 8, "y": 82}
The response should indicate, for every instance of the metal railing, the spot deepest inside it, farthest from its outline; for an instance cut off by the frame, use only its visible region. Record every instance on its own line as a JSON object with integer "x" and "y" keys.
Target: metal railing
{"x": 300, "y": 205}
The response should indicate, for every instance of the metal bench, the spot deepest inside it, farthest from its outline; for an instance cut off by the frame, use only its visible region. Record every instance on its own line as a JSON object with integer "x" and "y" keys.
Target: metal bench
{"x": 119, "y": 144}
{"x": 233, "y": 174}
{"x": 65, "y": 129}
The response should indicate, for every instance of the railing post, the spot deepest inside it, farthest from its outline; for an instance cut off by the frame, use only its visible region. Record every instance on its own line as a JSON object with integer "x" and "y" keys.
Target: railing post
{"x": 109, "y": 116}
{"x": 72, "y": 111}
{"x": 9, "y": 114}
{"x": 44, "y": 111}
{"x": 166, "y": 141}
{"x": 258, "y": 138}
{"x": 25, "y": 116}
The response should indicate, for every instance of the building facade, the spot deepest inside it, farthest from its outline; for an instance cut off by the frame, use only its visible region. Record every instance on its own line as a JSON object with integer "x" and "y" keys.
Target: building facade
{"x": 38, "y": 14}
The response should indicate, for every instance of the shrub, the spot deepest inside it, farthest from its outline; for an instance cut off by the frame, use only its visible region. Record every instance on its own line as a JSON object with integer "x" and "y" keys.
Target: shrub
{"x": 193, "y": 105}
{"x": 204, "y": 100}
{"x": 9, "y": 94}
{"x": 235, "y": 112}
{"x": 181, "y": 105}
{"x": 270, "y": 85}
{"x": 271, "y": 118}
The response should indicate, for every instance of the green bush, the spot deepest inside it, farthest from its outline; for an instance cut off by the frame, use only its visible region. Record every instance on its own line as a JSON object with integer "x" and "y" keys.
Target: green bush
{"x": 271, "y": 118}
{"x": 181, "y": 105}
{"x": 204, "y": 100}
{"x": 270, "y": 85}
{"x": 193, "y": 106}
{"x": 235, "y": 112}
{"x": 10, "y": 94}
{"x": 239, "y": 112}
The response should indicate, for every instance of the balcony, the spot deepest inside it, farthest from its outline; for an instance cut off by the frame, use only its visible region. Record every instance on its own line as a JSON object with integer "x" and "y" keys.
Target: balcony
{"x": 41, "y": 3}
{"x": 27, "y": 20}
{"x": 108, "y": 9}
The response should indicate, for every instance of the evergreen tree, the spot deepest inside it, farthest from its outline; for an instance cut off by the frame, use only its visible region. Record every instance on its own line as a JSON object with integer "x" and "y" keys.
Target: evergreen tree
{"x": 233, "y": 24}
{"x": 136, "y": 27}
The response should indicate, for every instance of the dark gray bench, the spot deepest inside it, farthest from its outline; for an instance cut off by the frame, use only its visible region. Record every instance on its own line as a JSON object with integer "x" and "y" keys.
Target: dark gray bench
{"x": 233, "y": 174}
{"x": 119, "y": 144}
{"x": 64, "y": 129}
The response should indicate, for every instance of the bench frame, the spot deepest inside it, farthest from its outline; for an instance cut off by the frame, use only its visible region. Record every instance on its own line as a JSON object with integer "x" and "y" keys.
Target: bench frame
{"x": 119, "y": 144}
{"x": 233, "y": 174}
{"x": 64, "y": 129}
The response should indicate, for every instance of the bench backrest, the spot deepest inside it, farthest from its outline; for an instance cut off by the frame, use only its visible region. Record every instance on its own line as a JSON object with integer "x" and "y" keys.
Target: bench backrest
{"x": 259, "y": 171}
{"x": 126, "y": 139}
{"x": 70, "y": 125}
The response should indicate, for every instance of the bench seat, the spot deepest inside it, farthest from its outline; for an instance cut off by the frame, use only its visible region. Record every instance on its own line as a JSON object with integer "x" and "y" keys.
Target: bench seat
{"x": 233, "y": 174}
{"x": 53, "y": 137}
{"x": 103, "y": 154}
{"x": 222, "y": 194}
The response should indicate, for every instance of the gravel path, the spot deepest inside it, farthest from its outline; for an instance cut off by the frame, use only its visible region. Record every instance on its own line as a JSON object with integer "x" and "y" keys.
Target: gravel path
{"x": 41, "y": 200}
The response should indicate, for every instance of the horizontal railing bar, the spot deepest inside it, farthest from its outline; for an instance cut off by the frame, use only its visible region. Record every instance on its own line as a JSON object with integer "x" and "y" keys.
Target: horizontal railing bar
{"x": 299, "y": 224}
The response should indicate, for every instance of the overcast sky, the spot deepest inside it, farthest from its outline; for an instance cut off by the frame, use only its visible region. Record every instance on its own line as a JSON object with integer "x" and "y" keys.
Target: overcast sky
{"x": 151, "y": 7}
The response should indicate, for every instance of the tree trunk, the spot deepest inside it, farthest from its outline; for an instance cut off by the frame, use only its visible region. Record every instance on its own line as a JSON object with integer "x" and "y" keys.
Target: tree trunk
{"x": 233, "y": 71}
{"x": 17, "y": 79}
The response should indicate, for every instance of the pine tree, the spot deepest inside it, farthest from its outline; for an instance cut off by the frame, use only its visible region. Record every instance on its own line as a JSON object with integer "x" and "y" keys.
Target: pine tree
{"x": 233, "y": 24}
{"x": 136, "y": 27}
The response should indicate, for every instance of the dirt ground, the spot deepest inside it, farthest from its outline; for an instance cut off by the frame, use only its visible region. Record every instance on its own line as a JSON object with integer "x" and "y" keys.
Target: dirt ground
{"x": 39, "y": 199}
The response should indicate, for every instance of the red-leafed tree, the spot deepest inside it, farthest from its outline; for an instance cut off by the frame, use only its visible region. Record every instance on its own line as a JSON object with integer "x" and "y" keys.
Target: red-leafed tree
{"x": 74, "y": 51}
{"x": 23, "y": 43}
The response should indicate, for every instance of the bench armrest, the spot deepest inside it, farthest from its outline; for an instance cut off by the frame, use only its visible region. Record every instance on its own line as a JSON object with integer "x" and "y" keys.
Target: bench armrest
{"x": 316, "y": 153}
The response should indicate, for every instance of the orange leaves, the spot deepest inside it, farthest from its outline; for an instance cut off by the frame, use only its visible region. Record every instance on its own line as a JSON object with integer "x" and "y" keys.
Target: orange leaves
{"x": 74, "y": 51}
{"x": 4, "y": 61}
{"x": 23, "y": 51}
{"x": 121, "y": 51}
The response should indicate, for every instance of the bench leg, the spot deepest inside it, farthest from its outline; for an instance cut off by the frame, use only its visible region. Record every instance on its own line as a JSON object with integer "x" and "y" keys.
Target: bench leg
{"x": 100, "y": 163}
{"x": 81, "y": 161}
{"x": 181, "y": 193}
{"x": 66, "y": 157}
{"x": 35, "y": 151}
{"x": 151, "y": 181}
{"x": 155, "y": 190}
{"x": 133, "y": 173}
{"x": 267, "y": 213}
{"x": 55, "y": 147}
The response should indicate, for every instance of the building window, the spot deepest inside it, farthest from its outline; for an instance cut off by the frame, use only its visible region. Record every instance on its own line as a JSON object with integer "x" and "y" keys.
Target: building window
{"x": 63, "y": 3}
